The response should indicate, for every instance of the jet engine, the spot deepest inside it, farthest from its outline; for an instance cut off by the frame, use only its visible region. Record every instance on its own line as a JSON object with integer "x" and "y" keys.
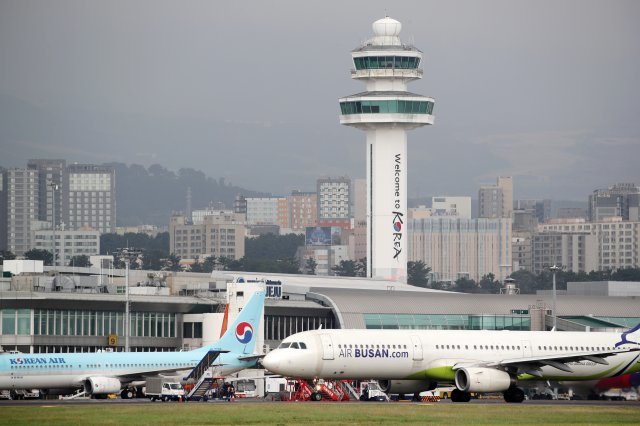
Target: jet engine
{"x": 482, "y": 380}
{"x": 406, "y": 386}
{"x": 102, "y": 385}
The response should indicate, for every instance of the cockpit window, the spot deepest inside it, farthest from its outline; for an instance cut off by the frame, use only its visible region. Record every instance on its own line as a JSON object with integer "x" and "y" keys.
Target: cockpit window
{"x": 294, "y": 345}
{"x": 303, "y": 345}
{"x": 284, "y": 345}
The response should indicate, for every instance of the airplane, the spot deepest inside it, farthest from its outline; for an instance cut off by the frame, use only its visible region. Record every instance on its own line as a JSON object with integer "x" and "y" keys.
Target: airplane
{"x": 474, "y": 361}
{"x": 102, "y": 373}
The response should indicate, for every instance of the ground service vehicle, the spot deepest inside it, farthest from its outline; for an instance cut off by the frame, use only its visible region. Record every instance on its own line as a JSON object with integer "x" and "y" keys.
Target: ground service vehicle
{"x": 164, "y": 389}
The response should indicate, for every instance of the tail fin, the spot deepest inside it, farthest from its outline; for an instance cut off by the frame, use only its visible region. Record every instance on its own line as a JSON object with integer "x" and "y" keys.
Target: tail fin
{"x": 241, "y": 336}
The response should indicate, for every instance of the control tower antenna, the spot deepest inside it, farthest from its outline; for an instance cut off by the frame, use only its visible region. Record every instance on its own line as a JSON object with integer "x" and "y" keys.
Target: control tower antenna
{"x": 385, "y": 111}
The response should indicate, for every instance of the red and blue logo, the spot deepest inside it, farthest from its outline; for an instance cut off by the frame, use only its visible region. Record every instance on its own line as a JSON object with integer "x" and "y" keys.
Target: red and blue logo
{"x": 244, "y": 332}
{"x": 397, "y": 226}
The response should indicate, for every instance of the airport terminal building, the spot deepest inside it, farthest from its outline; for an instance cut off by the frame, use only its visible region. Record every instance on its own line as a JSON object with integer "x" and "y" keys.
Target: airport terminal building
{"x": 77, "y": 310}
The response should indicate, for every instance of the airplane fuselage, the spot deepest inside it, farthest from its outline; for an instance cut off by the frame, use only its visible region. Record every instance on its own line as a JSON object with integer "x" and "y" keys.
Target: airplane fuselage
{"x": 64, "y": 370}
{"x": 432, "y": 355}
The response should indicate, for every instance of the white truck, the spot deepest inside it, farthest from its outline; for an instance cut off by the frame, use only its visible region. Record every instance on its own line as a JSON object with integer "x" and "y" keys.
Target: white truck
{"x": 164, "y": 389}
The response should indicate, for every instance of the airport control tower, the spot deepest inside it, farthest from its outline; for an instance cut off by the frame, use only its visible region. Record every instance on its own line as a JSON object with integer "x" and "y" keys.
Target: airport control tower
{"x": 385, "y": 111}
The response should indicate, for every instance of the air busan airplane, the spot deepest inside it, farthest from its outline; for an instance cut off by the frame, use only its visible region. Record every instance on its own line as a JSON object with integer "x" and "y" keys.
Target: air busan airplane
{"x": 411, "y": 361}
{"x": 109, "y": 372}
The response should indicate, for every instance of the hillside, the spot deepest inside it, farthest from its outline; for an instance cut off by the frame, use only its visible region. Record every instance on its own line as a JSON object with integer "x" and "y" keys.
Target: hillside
{"x": 150, "y": 196}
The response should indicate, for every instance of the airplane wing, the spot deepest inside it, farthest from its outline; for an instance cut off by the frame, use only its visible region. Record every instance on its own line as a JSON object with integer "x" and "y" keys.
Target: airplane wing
{"x": 532, "y": 365}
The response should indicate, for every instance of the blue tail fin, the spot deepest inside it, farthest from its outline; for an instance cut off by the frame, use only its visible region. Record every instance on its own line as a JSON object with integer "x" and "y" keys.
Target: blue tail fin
{"x": 241, "y": 336}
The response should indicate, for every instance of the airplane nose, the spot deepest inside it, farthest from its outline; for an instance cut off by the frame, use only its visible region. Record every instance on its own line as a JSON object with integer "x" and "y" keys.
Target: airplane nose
{"x": 271, "y": 361}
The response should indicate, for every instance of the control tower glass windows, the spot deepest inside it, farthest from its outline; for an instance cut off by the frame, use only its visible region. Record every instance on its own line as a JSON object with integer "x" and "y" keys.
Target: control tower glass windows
{"x": 385, "y": 107}
{"x": 386, "y": 62}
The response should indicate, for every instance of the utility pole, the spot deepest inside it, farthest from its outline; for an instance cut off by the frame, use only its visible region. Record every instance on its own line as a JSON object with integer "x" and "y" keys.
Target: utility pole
{"x": 554, "y": 269}
{"x": 127, "y": 255}
{"x": 54, "y": 187}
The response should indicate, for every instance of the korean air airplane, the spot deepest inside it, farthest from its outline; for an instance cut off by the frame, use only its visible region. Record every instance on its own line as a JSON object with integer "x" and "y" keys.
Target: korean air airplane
{"x": 109, "y": 372}
{"x": 410, "y": 361}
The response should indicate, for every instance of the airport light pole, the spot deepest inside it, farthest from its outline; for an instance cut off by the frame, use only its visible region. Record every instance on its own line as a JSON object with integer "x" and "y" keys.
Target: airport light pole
{"x": 127, "y": 255}
{"x": 554, "y": 269}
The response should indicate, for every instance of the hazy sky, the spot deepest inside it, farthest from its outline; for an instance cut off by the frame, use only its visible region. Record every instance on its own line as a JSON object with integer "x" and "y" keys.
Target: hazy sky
{"x": 544, "y": 91}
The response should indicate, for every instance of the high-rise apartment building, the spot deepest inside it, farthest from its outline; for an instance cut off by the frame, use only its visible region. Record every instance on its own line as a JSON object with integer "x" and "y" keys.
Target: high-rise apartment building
{"x": 50, "y": 187}
{"x": 334, "y": 202}
{"x": 583, "y": 246}
{"x": 303, "y": 210}
{"x": 621, "y": 200}
{"x": 462, "y": 248}
{"x": 220, "y": 235}
{"x": 20, "y": 208}
{"x": 89, "y": 197}
{"x": 496, "y": 201}
{"x": 574, "y": 251}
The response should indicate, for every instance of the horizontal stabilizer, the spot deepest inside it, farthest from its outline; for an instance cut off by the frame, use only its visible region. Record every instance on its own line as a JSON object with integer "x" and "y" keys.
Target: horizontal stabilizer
{"x": 250, "y": 357}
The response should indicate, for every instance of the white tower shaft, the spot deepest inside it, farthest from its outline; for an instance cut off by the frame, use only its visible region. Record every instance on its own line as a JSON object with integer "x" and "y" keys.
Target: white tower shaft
{"x": 387, "y": 203}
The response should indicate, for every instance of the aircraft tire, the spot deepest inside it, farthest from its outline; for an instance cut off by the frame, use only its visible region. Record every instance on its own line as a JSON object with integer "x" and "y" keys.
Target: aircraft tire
{"x": 316, "y": 396}
{"x": 514, "y": 395}
{"x": 458, "y": 396}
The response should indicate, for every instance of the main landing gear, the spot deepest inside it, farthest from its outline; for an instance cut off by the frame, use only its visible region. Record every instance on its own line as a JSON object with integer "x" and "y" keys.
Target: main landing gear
{"x": 514, "y": 394}
{"x": 459, "y": 396}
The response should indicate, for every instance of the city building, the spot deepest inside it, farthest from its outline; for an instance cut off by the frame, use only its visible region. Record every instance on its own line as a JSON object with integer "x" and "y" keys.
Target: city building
{"x": 496, "y": 201}
{"x": 89, "y": 197}
{"x": 522, "y": 250}
{"x": 268, "y": 211}
{"x": 334, "y": 202}
{"x": 220, "y": 235}
{"x": 574, "y": 251}
{"x": 621, "y": 199}
{"x": 303, "y": 210}
{"x": 50, "y": 178}
{"x": 541, "y": 209}
{"x": 451, "y": 206}
{"x": 462, "y": 248}
{"x": 571, "y": 213}
{"x": 385, "y": 111}
{"x": 420, "y": 212}
{"x": 583, "y": 246}
{"x": 69, "y": 243}
{"x": 324, "y": 256}
{"x": 20, "y": 209}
